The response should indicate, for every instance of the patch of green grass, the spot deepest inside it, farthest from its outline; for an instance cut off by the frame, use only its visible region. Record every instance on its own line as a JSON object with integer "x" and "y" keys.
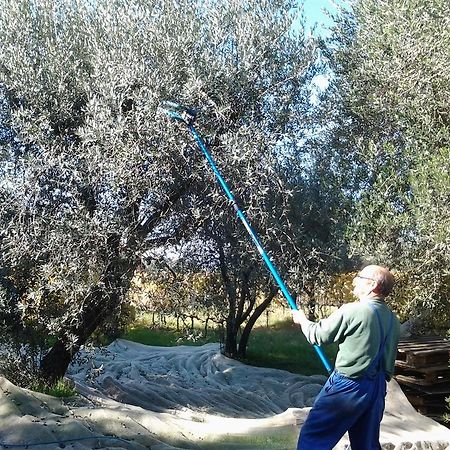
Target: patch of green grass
{"x": 60, "y": 388}
{"x": 283, "y": 346}
{"x": 279, "y": 346}
{"x": 167, "y": 336}
{"x": 281, "y": 439}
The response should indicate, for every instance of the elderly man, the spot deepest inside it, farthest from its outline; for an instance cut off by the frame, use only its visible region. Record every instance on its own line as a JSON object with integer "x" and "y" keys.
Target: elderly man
{"x": 353, "y": 397}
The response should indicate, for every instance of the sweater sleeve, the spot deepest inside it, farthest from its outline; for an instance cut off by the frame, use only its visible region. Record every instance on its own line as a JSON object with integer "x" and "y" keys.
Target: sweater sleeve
{"x": 328, "y": 330}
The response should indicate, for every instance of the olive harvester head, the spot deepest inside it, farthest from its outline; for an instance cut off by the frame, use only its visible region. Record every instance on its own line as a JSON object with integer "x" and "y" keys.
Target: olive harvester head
{"x": 178, "y": 112}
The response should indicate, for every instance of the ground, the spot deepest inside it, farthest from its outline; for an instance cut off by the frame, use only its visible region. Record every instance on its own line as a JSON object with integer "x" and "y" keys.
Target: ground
{"x": 134, "y": 396}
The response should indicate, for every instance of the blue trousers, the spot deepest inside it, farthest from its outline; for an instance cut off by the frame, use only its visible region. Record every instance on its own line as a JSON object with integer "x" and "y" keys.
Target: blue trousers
{"x": 345, "y": 404}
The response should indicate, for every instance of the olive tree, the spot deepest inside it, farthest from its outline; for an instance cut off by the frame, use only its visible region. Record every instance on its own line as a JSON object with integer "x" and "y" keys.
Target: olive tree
{"x": 389, "y": 114}
{"x": 298, "y": 213}
{"x": 94, "y": 176}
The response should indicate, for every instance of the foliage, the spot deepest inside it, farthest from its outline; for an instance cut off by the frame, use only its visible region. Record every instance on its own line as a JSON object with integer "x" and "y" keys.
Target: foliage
{"x": 22, "y": 354}
{"x": 389, "y": 111}
{"x": 184, "y": 294}
{"x": 93, "y": 178}
{"x": 300, "y": 221}
{"x": 447, "y": 414}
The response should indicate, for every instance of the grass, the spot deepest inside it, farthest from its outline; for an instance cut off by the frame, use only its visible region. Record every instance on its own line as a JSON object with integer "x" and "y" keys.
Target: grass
{"x": 280, "y": 439}
{"x": 283, "y": 346}
{"x": 60, "y": 388}
{"x": 279, "y": 346}
{"x": 167, "y": 336}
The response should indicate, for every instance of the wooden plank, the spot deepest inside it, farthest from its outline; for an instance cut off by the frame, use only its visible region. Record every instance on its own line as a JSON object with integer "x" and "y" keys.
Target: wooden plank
{"x": 426, "y": 378}
{"x": 427, "y": 369}
{"x": 428, "y": 381}
{"x": 423, "y": 359}
{"x": 405, "y": 346}
{"x": 422, "y": 339}
{"x": 430, "y": 351}
{"x": 431, "y": 411}
{"x": 427, "y": 400}
{"x": 423, "y": 343}
{"x": 442, "y": 388}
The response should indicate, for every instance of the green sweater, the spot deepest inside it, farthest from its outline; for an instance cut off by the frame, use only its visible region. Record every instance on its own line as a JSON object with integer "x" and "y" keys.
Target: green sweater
{"x": 355, "y": 327}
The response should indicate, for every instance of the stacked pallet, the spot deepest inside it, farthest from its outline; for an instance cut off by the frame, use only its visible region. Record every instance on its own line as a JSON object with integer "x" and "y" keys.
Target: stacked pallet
{"x": 423, "y": 371}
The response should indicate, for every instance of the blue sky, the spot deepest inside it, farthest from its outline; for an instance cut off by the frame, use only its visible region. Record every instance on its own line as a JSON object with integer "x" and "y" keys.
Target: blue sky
{"x": 314, "y": 14}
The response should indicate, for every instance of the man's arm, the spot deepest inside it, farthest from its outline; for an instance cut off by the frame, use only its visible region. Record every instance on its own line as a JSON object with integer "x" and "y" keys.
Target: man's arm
{"x": 324, "y": 331}
{"x": 299, "y": 317}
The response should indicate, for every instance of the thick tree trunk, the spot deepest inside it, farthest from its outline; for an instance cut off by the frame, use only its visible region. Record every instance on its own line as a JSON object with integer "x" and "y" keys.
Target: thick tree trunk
{"x": 99, "y": 306}
{"x": 55, "y": 363}
{"x": 230, "y": 344}
{"x": 232, "y": 325}
{"x": 205, "y": 329}
{"x": 243, "y": 342}
{"x": 120, "y": 265}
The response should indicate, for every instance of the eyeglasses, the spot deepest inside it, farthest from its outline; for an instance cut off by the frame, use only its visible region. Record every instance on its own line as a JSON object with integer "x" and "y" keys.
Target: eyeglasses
{"x": 364, "y": 278}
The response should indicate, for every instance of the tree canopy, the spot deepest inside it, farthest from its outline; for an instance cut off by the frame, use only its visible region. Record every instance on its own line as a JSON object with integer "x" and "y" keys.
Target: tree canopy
{"x": 94, "y": 178}
{"x": 391, "y": 131}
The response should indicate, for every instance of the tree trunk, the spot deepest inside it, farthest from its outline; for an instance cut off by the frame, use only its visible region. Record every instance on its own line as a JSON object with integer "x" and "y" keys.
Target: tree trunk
{"x": 232, "y": 327}
{"x": 243, "y": 342}
{"x": 99, "y": 306}
{"x": 231, "y": 331}
{"x": 120, "y": 263}
{"x": 55, "y": 363}
{"x": 311, "y": 303}
{"x": 205, "y": 329}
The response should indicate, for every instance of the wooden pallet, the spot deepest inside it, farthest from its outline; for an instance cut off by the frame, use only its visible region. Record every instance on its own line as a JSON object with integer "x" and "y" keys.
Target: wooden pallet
{"x": 430, "y": 405}
{"x": 430, "y": 377}
{"x": 424, "y": 352}
{"x": 423, "y": 372}
{"x": 431, "y": 401}
{"x": 411, "y": 382}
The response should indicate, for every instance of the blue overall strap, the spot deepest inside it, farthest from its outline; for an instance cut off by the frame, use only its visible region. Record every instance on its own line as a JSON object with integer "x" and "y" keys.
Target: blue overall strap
{"x": 376, "y": 360}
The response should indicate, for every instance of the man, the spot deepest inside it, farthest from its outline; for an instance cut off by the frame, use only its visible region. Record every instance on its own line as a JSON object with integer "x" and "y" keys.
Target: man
{"x": 353, "y": 397}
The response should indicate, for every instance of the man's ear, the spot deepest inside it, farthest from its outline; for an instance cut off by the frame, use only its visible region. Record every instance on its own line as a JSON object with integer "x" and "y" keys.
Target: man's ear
{"x": 377, "y": 287}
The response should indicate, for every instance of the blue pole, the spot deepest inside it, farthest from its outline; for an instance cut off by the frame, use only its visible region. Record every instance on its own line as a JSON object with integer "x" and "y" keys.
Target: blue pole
{"x": 254, "y": 236}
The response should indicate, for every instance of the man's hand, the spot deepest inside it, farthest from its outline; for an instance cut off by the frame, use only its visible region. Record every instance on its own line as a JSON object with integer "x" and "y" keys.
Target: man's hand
{"x": 298, "y": 316}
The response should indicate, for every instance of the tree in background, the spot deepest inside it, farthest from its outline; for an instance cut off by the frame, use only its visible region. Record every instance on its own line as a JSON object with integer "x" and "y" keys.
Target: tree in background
{"x": 183, "y": 291}
{"x": 388, "y": 114}
{"x": 299, "y": 215}
{"x": 92, "y": 178}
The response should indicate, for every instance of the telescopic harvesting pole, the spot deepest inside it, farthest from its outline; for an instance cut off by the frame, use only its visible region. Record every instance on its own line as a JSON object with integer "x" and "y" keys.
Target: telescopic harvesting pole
{"x": 187, "y": 116}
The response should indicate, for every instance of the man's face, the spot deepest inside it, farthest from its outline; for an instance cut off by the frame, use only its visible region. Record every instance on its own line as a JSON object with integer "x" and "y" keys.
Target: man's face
{"x": 363, "y": 284}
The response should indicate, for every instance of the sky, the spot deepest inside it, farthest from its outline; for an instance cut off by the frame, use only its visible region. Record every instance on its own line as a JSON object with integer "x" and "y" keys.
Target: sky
{"x": 314, "y": 14}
